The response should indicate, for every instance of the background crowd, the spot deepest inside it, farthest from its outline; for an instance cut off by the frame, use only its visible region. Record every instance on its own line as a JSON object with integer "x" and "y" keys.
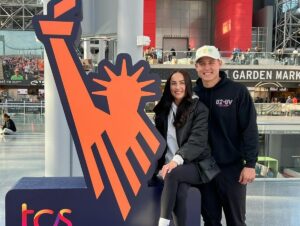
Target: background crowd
{"x": 22, "y": 68}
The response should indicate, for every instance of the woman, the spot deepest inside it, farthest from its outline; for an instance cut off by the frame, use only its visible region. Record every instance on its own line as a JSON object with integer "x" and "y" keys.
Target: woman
{"x": 182, "y": 121}
{"x": 9, "y": 125}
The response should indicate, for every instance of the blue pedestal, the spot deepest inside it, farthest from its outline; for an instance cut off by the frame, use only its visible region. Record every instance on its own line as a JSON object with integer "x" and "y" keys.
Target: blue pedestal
{"x": 61, "y": 194}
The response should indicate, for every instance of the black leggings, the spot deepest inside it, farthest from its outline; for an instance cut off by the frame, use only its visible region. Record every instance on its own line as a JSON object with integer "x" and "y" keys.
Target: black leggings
{"x": 174, "y": 194}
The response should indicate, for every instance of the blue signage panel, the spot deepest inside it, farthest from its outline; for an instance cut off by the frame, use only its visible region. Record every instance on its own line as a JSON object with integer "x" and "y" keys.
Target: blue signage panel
{"x": 67, "y": 201}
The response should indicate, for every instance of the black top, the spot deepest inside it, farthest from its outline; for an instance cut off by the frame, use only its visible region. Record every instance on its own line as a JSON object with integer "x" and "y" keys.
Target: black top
{"x": 233, "y": 133}
{"x": 9, "y": 124}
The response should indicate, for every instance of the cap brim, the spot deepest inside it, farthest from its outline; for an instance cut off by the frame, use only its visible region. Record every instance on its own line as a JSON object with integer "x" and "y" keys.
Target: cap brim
{"x": 207, "y": 56}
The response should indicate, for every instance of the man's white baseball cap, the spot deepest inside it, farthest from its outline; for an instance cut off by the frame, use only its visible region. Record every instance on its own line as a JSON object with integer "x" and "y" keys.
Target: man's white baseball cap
{"x": 208, "y": 51}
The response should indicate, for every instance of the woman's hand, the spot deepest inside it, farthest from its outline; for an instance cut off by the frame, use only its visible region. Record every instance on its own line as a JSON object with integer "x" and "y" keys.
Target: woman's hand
{"x": 167, "y": 168}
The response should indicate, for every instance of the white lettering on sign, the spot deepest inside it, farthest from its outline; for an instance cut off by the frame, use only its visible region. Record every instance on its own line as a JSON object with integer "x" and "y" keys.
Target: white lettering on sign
{"x": 288, "y": 75}
{"x": 223, "y": 103}
{"x": 252, "y": 75}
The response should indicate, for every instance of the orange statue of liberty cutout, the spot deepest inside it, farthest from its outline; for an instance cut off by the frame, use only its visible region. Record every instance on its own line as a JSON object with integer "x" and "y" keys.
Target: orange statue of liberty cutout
{"x": 115, "y": 140}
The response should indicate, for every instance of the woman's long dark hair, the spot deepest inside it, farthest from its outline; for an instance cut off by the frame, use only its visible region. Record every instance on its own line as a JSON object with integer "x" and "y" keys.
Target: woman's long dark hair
{"x": 163, "y": 107}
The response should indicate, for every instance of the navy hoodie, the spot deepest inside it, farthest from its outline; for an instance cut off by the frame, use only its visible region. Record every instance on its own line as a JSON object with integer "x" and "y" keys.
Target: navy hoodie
{"x": 233, "y": 133}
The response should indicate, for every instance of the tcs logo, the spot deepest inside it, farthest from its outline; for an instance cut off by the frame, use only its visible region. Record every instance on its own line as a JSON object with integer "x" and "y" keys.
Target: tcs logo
{"x": 58, "y": 218}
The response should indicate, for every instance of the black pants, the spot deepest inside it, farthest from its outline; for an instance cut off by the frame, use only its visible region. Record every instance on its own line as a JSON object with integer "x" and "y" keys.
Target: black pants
{"x": 174, "y": 194}
{"x": 225, "y": 192}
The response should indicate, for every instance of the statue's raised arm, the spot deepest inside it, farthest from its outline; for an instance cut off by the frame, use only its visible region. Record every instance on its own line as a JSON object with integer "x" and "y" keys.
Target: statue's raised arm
{"x": 116, "y": 142}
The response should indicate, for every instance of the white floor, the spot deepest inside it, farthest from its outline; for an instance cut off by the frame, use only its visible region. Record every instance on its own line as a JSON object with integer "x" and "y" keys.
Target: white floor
{"x": 21, "y": 155}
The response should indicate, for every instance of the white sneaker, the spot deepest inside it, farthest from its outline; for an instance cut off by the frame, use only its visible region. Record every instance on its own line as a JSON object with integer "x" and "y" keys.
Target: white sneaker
{"x": 163, "y": 222}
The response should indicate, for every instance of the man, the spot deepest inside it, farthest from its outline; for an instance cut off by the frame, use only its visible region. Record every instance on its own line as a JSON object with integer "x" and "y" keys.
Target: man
{"x": 295, "y": 55}
{"x": 233, "y": 136}
{"x": 9, "y": 125}
{"x": 289, "y": 100}
{"x": 172, "y": 54}
{"x": 17, "y": 76}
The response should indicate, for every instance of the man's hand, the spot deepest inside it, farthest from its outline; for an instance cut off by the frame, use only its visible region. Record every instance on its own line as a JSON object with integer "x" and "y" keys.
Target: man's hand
{"x": 247, "y": 175}
{"x": 167, "y": 168}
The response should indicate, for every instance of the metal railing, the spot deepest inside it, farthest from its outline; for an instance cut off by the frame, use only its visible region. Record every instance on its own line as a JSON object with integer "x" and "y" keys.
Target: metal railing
{"x": 262, "y": 109}
{"x": 277, "y": 109}
{"x": 228, "y": 57}
{"x": 23, "y": 107}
